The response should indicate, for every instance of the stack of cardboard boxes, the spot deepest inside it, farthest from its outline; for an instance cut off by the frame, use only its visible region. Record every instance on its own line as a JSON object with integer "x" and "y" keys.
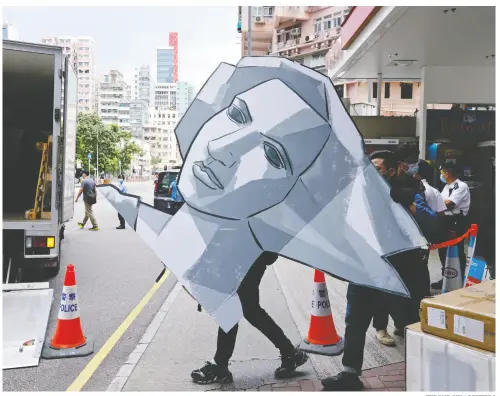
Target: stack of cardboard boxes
{"x": 452, "y": 349}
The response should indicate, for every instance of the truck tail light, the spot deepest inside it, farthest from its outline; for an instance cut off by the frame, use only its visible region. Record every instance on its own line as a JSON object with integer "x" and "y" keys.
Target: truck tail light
{"x": 40, "y": 242}
{"x": 51, "y": 242}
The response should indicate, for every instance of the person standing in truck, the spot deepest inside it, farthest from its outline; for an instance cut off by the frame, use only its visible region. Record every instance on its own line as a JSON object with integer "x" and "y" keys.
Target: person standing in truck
{"x": 89, "y": 199}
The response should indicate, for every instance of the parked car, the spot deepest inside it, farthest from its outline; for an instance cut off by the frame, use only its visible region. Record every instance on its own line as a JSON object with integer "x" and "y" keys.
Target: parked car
{"x": 162, "y": 198}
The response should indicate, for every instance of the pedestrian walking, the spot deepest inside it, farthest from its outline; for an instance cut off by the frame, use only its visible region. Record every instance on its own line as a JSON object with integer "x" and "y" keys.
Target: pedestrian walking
{"x": 364, "y": 302}
{"x": 123, "y": 189}
{"x": 176, "y": 195}
{"x": 456, "y": 196}
{"x": 248, "y": 292}
{"x": 88, "y": 189}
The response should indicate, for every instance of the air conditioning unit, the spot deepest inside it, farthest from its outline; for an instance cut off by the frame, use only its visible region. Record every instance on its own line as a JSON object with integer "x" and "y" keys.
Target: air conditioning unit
{"x": 327, "y": 34}
{"x": 339, "y": 30}
{"x": 316, "y": 35}
{"x": 307, "y": 39}
{"x": 295, "y": 32}
{"x": 259, "y": 19}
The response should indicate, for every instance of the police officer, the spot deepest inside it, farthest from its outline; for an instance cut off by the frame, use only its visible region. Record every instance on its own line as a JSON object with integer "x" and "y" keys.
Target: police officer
{"x": 456, "y": 197}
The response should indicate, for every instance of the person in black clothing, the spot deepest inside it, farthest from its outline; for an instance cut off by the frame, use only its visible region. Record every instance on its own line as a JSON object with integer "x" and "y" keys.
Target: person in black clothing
{"x": 407, "y": 159}
{"x": 248, "y": 292}
{"x": 364, "y": 302}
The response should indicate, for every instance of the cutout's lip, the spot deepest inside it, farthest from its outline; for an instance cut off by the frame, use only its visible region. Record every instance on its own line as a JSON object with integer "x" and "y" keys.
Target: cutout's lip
{"x": 206, "y": 176}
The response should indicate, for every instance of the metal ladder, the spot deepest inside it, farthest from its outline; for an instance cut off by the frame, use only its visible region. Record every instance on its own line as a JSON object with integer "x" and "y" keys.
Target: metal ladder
{"x": 43, "y": 177}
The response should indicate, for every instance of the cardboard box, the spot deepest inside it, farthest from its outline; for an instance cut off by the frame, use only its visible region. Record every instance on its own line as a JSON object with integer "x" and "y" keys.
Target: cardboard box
{"x": 434, "y": 364}
{"x": 466, "y": 315}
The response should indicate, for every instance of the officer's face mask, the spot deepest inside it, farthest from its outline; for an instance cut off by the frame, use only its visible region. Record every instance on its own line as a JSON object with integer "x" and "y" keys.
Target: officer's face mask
{"x": 412, "y": 169}
{"x": 120, "y": 181}
{"x": 443, "y": 179}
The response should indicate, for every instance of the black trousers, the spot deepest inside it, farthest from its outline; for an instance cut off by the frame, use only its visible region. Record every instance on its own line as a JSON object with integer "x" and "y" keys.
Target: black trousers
{"x": 256, "y": 316}
{"x": 363, "y": 304}
{"x": 456, "y": 227}
{"x": 122, "y": 220}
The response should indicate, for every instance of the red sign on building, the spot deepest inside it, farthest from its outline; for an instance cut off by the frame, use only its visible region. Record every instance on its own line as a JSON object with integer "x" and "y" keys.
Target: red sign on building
{"x": 173, "y": 41}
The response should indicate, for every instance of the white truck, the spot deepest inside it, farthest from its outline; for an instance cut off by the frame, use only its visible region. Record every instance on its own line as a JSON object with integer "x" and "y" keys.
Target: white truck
{"x": 39, "y": 144}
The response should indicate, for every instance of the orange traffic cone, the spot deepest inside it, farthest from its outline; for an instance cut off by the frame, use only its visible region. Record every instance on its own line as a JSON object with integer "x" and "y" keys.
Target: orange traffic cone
{"x": 322, "y": 338}
{"x": 68, "y": 340}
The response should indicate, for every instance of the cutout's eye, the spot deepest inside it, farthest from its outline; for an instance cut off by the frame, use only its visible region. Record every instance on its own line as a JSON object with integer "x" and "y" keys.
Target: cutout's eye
{"x": 273, "y": 156}
{"x": 236, "y": 115}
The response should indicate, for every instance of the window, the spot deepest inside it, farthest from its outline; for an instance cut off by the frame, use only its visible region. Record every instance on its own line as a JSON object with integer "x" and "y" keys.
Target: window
{"x": 337, "y": 20}
{"x": 317, "y": 25}
{"x": 268, "y": 11}
{"x": 406, "y": 91}
{"x": 374, "y": 89}
{"x": 327, "y": 22}
{"x": 387, "y": 88}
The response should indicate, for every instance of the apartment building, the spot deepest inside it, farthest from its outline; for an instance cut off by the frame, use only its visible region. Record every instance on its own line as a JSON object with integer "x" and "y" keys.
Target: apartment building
{"x": 165, "y": 95}
{"x": 139, "y": 115}
{"x": 159, "y": 134}
{"x": 184, "y": 96}
{"x": 141, "y": 164}
{"x": 114, "y": 100}
{"x": 81, "y": 52}
{"x": 142, "y": 84}
{"x": 302, "y": 33}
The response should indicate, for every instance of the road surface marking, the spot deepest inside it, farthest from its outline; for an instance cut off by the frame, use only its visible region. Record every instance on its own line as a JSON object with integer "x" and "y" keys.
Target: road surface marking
{"x": 92, "y": 366}
{"x": 127, "y": 369}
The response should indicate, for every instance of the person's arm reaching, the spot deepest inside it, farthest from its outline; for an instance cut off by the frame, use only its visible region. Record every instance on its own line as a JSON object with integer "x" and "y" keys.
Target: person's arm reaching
{"x": 79, "y": 193}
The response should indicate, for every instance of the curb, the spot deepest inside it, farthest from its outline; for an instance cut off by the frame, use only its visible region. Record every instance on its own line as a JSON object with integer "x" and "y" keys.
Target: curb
{"x": 128, "y": 367}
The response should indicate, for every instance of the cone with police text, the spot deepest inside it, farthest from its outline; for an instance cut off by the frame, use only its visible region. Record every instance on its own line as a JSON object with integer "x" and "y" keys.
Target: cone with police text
{"x": 470, "y": 255}
{"x": 68, "y": 340}
{"x": 452, "y": 274}
{"x": 322, "y": 338}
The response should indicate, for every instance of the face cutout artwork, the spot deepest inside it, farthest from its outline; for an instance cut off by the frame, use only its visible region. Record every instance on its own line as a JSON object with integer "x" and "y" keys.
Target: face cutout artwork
{"x": 272, "y": 162}
{"x": 242, "y": 153}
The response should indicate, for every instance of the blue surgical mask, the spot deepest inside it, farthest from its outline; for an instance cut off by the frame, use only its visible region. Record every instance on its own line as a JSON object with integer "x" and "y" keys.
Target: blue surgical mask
{"x": 412, "y": 169}
{"x": 442, "y": 179}
{"x": 120, "y": 180}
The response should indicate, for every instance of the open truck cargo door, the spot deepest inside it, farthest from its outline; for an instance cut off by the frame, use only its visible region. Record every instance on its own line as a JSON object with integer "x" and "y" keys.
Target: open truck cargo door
{"x": 26, "y": 309}
{"x": 68, "y": 142}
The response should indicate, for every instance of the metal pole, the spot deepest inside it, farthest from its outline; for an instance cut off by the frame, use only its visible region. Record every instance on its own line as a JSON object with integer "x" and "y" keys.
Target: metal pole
{"x": 379, "y": 93}
{"x": 89, "y": 166}
{"x": 97, "y": 168}
{"x": 249, "y": 33}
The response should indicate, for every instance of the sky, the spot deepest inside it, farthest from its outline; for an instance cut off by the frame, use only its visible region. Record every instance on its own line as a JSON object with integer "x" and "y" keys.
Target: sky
{"x": 127, "y": 37}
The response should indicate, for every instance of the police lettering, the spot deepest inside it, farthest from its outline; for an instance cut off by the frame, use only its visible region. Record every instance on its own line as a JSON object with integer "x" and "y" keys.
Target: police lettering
{"x": 324, "y": 304}
{"x": 69, "y": 308}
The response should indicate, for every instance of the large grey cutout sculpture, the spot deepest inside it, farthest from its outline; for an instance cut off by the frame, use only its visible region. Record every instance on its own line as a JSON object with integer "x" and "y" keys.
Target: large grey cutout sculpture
{"x": 272, "y": 162}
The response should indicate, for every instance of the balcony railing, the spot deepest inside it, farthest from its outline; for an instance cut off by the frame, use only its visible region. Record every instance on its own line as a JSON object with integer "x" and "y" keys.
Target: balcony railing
{"x": 307, "y": 44}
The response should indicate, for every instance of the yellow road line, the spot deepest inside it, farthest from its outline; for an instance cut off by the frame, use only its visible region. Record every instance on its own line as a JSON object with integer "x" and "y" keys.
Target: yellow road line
{"x": 92, "y": 366}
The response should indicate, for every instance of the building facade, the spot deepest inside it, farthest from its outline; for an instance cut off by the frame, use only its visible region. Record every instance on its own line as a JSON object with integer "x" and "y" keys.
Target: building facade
{"x": 142, "y": 84}
{"x": 114, "y": 100}
{"x": 165, "y": 95}
{"x": 81, "y": 51}
{"x": 139, "y": 115}
{"x": 159, "y": 134}
{"x": 165, "y": 65}
{"x": 184, "y": 96}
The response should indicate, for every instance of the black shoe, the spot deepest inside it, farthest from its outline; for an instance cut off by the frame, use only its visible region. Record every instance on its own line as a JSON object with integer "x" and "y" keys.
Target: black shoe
{"x": 120, "y": 227}
{"x": 343, "y": 381}
{"x": 289, "y": 364}
{"x": 211, "y": 373}
{"x": 437, "y": 285}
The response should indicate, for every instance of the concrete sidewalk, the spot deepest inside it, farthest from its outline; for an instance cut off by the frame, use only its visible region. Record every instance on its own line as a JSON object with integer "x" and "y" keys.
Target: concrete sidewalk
{"x": 181, "y": 339}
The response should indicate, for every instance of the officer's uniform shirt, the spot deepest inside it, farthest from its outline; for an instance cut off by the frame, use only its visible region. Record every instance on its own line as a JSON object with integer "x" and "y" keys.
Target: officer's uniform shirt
{"x": 458, "y": 193}
{"x": 433, "y": 198}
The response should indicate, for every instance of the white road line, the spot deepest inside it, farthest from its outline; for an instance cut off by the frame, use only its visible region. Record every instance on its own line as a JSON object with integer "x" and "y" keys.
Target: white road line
{"x": 126, "y": 370}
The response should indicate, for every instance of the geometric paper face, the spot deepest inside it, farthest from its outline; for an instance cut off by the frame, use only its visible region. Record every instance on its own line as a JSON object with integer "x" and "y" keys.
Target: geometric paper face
{"x": 272, "y": 162}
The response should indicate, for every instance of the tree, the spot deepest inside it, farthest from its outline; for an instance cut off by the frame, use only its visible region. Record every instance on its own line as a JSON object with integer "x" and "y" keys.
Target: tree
{"x": 90, "y": 127}
{"x": 128, "y": 148}
{"x": 156, "y": 160}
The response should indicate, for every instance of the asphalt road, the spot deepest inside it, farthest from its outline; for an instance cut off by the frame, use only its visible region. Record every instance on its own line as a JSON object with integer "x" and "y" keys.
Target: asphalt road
{"x": 114, "y": 270}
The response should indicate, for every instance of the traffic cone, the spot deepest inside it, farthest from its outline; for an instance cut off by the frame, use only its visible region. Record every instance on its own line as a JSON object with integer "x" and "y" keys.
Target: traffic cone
{"x": 470, "y": 251}
{"x": 452, "y": 274}
{"x": 322, "y": 338}
{"x": 68, "y": 340}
